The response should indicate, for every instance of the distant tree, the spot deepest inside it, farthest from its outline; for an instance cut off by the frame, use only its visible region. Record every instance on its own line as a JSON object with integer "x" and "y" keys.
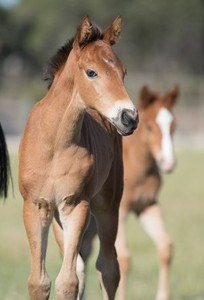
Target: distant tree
{"x": 158, "y": 34}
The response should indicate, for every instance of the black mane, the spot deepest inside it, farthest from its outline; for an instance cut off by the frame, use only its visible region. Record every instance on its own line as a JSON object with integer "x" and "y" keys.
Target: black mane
{"x": 62, "y": 54}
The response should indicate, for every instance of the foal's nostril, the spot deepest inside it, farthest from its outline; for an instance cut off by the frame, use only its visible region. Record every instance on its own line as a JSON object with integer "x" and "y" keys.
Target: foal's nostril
{"x": 130, "y": 118}
{"x": 126, "y": 118}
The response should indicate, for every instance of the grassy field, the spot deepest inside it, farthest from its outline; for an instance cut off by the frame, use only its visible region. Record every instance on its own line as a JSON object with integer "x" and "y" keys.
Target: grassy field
{"x": 182, "y": 201}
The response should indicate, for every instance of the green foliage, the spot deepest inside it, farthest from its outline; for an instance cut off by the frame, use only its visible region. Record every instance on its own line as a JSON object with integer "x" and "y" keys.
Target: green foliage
{"x": 157, "y": 34}
{"x": 160, "y": 39}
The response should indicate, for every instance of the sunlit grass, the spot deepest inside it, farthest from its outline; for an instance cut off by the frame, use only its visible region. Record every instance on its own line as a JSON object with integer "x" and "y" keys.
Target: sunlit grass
{"x": 182, "y": 201}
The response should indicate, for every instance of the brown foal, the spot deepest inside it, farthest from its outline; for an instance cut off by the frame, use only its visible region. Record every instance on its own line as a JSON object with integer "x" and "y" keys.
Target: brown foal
{"x": 148, "y": 153}
{"x": 71, "y": 160}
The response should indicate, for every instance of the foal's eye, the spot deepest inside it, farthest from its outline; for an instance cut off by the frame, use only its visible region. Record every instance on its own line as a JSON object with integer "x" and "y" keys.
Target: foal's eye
{"x": 91, "y": 73}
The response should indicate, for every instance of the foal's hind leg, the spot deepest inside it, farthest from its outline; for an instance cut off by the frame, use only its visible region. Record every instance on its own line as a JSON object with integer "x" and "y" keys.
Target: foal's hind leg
{"x": 37, "y": 219}
{"x": 87, "y": 242}
{"x": 107, "y": 264}
{"x": 152, "y": 221}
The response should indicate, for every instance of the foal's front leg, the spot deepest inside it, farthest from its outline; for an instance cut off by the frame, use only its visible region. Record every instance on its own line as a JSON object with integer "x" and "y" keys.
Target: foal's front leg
{"x": 37, "y": 218}
{"x": 58, "y": 232}
{"x": 74, "y": 218}
{"x": 124, "y": 256}
{"x": 153, "y": 223}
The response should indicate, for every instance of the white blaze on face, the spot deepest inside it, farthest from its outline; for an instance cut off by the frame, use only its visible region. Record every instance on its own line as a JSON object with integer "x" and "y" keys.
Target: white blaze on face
{"x": 166, "y": 157}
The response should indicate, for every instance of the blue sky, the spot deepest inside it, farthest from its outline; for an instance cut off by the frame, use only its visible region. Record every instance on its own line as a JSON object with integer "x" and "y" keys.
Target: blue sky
{"x": 8, "y": 3}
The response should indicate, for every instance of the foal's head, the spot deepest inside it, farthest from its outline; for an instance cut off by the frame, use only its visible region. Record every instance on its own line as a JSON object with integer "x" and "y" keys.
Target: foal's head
{"x": 97, "y": 74}
{"x": 158, "y": 125}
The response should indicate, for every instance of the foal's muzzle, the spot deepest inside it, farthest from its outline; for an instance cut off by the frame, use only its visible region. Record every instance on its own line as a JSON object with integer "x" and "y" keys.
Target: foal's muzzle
{"x": 166, "y": 165}
{"x": 127, "y": 121}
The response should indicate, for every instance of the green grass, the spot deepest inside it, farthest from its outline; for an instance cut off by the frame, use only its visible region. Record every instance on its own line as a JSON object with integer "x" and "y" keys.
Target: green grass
{"x": 182, "y": 201}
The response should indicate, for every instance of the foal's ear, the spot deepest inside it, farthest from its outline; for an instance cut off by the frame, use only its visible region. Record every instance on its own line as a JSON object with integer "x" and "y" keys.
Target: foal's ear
{"x": 83, "y": 34}
{"x": 112, "y": 33}
{"x": 172, "y": 95}
{"x": 146, "y": 97}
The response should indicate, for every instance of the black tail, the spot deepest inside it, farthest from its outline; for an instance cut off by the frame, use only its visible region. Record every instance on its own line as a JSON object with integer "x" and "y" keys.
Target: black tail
{"x": 4, "y": 165}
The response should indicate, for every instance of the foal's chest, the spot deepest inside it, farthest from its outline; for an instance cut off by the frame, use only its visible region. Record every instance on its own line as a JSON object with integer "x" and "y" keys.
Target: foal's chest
{"x": 69, "y": 173}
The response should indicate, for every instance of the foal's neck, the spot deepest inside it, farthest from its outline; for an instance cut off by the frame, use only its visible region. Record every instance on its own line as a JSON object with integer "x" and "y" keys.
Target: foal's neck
{"x": 64, "y": 112}
{"x": 141, "y": 148}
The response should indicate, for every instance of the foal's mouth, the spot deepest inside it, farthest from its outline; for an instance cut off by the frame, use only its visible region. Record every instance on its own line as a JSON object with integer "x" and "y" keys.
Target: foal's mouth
{"x": 122, "y": 132}
{"x": 166, "y": 166}
{"x": 126, "y": 123}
